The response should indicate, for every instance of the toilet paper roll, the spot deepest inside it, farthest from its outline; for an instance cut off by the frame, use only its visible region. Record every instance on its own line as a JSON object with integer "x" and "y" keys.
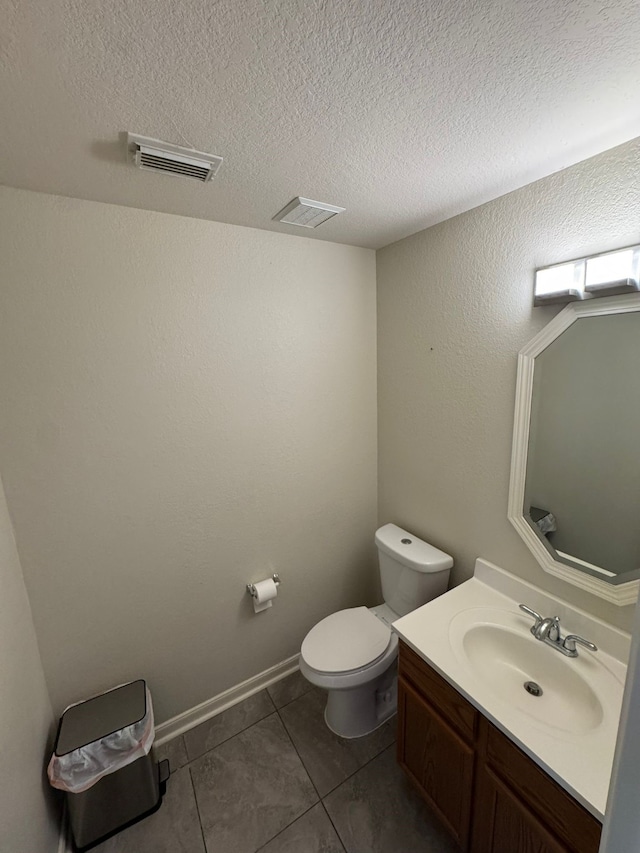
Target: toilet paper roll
{"x": 265, "y": 592}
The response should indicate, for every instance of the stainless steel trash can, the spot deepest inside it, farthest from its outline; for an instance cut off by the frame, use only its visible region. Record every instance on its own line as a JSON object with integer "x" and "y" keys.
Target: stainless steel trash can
{"x": 124, "y": 796}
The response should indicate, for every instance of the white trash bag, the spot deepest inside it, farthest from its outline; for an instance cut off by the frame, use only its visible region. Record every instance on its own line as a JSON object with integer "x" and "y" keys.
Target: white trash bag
{"x": 77, "y": 771}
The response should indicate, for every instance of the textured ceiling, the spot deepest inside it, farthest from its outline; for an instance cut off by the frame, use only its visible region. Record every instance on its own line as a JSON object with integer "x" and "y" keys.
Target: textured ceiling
{"x": 405, "y": 112}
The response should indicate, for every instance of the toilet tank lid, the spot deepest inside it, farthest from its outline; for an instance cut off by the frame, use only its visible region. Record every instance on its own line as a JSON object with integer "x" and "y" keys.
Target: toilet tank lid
{"x": 416, "y": 554}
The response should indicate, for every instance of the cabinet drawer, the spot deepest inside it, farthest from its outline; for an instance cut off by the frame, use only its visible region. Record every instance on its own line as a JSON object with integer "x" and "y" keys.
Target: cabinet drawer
{"x": 566, "y": 818}
{"x": 453, "y": 707}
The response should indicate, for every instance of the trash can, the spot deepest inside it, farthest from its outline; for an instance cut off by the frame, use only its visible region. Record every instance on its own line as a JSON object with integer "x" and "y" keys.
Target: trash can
{"x": 103, "y": 761}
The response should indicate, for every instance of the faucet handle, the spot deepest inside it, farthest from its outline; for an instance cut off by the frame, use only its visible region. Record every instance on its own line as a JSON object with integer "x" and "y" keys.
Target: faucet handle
{"x": 570, "y": 644}
{"x": 539, "y": 619}
{"x": 552, "y": 631}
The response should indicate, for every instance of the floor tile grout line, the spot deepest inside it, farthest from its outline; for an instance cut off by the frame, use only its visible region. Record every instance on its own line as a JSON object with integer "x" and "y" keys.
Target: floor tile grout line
{"x": 284, "y": 828}
{"x": 304, "y": 766}
{"x": 275, "y": 709}
{"x": 195, "y": 799}
{"x": 317, "y": 802}
{"x": 335, "y": 828}
{"x": 320, "y": 799}
{"x": 314, "y": 827}
{"x": 191, "y": 760}
{"x": 295, "y": 698}
{"x": 335, "y": 788}
{"x": 351, "y": 775}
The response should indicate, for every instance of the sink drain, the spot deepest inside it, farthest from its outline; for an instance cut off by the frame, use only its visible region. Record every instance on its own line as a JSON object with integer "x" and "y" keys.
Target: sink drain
{"x": 533, "y": 688}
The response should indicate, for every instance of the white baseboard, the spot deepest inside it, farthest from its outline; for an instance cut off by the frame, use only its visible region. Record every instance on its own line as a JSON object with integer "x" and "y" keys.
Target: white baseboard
{"x": 201, "y": 713}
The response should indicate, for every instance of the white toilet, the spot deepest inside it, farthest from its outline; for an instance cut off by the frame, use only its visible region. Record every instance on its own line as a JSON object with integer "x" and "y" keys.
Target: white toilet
{"x": 353, "y": 652}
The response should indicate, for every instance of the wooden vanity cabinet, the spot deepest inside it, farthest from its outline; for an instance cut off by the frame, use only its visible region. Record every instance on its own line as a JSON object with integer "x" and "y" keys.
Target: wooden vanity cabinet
{"x": 436, "y": 734}
{"x": 490, "y": 795}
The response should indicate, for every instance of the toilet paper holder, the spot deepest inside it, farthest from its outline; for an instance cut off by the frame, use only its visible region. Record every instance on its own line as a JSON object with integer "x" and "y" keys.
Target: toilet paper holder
{"x": 252, "y": 590}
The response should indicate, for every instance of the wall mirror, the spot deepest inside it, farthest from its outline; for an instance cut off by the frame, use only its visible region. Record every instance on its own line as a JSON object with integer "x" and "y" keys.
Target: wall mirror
{"x": 574, "y": 495}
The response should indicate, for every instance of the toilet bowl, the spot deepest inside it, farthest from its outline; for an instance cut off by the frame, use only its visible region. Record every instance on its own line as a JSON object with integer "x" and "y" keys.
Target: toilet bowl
{"x": 352, "y": 654}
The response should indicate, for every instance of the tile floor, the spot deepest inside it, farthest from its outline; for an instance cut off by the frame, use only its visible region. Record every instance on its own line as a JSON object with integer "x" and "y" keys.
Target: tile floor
{"x": 267, "y": 775}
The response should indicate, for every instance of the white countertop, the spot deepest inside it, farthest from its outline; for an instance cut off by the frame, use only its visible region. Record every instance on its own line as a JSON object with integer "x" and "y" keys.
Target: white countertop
{"x": 580, "y": 761}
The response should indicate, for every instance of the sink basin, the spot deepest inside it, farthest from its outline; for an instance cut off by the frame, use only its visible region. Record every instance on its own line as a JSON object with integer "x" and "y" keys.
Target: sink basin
{"x": 505, "y": 661}
{"x": 498, "y": 650}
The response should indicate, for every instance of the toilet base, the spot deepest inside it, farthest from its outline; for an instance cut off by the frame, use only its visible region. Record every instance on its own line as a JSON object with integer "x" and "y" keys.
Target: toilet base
{"x": 358, "y": 711}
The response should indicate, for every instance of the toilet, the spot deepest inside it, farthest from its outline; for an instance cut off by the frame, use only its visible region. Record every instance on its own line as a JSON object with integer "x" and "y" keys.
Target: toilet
{"x": 352, "y": 653}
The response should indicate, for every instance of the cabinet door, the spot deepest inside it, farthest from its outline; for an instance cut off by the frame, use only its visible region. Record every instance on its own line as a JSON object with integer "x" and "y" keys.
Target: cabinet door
{"x": 437, "y": 761}
{"x": 503, "y": 824}
{"x": 565, "y": 819}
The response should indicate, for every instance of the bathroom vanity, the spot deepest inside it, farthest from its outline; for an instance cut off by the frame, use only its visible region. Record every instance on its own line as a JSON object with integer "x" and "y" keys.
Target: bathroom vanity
{"x": 506, "y": 770}
{"x": 490, "y": 795}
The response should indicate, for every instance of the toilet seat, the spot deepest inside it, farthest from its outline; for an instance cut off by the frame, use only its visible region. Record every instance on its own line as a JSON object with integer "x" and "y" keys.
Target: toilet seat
{"x": 346, "y": 641}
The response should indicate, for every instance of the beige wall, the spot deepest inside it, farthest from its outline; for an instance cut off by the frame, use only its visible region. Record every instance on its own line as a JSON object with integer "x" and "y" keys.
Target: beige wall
{"x": 454, "y": 309}
{"x": 189, "y": 405}
{"x": 186, "y": 406}
{"x": 28, "y": 819}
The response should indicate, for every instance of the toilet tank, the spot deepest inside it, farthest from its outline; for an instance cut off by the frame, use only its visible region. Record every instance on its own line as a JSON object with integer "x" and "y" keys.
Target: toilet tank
{"x": 412, "y": 572}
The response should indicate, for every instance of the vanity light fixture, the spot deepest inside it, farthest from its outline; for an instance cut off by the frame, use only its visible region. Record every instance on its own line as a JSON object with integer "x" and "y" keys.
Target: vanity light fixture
{"x": 606, "y": 274}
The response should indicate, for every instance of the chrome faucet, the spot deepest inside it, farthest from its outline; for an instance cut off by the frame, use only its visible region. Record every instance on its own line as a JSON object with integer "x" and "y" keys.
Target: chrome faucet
{"x": 547, "y": 630}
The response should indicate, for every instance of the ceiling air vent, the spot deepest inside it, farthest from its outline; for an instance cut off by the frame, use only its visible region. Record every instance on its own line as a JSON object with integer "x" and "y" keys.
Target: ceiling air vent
{"x": 307, "y": 213}
{"x": 157, "y": 156}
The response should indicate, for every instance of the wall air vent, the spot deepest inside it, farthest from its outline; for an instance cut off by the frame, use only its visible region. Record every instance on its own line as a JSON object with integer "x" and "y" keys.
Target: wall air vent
{"x": 157, "y": 156}
{"x": 307, "y": 213}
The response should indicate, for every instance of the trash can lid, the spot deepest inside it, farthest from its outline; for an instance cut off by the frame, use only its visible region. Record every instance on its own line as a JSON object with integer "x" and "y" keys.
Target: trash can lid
{"x": 101, "y": 716}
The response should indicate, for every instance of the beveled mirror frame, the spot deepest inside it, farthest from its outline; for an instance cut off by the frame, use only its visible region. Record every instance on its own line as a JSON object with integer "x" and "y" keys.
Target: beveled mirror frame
{"x": 623, "y": 593}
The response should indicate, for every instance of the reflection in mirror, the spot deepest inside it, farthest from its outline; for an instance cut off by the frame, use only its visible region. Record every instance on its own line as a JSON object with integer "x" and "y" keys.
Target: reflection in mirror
{"x": 582, "y": 488}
